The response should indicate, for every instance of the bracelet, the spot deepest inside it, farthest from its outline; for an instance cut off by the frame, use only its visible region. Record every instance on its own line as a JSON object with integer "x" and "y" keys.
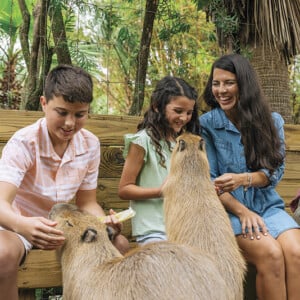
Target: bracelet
{"x": 249, "y": 182}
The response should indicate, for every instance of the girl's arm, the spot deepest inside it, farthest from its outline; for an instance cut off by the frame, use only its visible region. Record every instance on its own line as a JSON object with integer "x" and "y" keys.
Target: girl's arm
{"x": 128, "y": 189}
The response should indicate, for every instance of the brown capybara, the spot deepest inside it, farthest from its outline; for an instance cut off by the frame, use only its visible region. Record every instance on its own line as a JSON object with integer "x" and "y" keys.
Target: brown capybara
{"x": 93, "y": 269}
{"x": 195, "y": 216}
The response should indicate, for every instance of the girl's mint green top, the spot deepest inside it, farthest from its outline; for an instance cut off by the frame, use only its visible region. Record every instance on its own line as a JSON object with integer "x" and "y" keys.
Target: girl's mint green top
{"x": 149, "y": 213}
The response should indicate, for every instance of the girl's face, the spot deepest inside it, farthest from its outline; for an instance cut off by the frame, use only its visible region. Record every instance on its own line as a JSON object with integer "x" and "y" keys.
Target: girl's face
{"x": 225, "y": 89}
{"x": 179, "y": 112}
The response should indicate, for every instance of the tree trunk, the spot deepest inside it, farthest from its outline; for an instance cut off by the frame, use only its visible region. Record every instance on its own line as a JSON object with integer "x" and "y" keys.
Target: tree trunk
{"x": 143, "y": 55}
{"x": 59, "y": 35}
{"x": 274, "y": 77}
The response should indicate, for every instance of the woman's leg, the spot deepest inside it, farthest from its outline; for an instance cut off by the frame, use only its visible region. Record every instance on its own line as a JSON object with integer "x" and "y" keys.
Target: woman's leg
{"x": 267, "y": 256}
{"x": 290, "y": 243}
{"x": 11, "y": 252}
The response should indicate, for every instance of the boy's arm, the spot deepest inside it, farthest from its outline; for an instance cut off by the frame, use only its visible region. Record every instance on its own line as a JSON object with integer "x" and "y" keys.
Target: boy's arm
{"x": 86, "y": 200}
{"x": 8, "y": 217}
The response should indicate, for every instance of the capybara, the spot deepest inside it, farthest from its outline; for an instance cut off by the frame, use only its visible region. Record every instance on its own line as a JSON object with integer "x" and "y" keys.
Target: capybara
{"x": 93, "y": 268}
{"x": 195, "y": 216}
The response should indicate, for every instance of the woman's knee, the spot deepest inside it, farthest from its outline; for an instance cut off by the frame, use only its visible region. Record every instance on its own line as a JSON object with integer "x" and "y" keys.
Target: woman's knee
{"x": 292, "y": 255}
{"x": 290, "y": 243}
{"x": 272, "y": 262}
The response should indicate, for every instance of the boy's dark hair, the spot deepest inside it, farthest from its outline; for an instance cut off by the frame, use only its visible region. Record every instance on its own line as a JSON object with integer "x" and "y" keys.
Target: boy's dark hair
{"x": 72, "y": 83}
{"x": 154, "y": 120}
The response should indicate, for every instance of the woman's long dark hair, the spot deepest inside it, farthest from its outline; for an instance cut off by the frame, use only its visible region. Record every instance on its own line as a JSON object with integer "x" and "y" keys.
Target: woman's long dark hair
{"x": 259, "y": 135}
{"x": 155, "y": 121}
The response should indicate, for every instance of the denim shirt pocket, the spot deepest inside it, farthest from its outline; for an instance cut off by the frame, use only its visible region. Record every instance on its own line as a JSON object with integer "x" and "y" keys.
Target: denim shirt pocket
{"x": 225, "y": 155}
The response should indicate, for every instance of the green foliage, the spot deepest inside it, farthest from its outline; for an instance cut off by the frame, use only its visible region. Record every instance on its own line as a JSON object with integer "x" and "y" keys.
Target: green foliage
{"x": 104, "y": 38}
{"x": 295, "y": 89}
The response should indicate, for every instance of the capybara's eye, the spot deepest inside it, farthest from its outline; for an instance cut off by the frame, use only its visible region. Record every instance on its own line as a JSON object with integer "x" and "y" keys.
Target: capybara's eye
{"x": 69, "y": 224}
{"x": 181, "y": 146}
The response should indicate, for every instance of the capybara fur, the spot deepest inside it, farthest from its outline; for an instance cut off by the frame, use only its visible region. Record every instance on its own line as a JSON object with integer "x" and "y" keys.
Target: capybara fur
{"x": 93, "y": 269}
{"x": 195, "y": 216}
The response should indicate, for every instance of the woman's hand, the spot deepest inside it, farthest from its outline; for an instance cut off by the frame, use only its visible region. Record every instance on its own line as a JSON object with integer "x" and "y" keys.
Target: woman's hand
{"x": 228, "y": 182}
{"x": 252, "y": 224}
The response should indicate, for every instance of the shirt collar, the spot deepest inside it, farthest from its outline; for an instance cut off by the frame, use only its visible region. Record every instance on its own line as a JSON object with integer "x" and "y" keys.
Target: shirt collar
{"x": 221, "y": 121}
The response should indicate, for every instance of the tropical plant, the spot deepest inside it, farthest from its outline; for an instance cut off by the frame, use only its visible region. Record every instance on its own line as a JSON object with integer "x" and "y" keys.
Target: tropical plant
{"x": 10, "y": 82}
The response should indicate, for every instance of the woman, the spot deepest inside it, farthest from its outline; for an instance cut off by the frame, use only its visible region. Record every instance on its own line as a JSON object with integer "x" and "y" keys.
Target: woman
{"x": 245, "y": 148}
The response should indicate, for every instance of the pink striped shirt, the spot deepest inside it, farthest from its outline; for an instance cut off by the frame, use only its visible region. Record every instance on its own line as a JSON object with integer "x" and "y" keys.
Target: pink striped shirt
{"x": 43, "y": 178}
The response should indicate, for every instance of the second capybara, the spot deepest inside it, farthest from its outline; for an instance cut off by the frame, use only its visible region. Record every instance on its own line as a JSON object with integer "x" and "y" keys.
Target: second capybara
{"x": 195, "y": 216}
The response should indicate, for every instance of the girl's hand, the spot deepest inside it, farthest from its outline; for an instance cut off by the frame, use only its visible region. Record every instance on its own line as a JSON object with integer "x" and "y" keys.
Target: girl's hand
{"x": 40, "y": 232}
{"x": 252, "y": 225}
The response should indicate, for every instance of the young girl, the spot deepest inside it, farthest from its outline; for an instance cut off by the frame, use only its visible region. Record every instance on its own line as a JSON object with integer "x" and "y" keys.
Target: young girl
{"x": 173, "y": 109}
{"x": 245, "y": 148}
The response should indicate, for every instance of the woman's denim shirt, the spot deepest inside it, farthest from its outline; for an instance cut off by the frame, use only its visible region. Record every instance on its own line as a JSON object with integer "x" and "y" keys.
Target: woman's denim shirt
{"x": 225, "y": 153}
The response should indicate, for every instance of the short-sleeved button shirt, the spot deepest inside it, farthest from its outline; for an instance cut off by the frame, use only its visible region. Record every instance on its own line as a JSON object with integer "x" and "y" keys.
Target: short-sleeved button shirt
{"x": 225, "y": 153}
{"x": 43, "y": 178}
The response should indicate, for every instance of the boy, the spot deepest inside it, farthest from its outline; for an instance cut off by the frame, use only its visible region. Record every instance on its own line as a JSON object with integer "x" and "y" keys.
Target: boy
{"x": 53, "y": 160}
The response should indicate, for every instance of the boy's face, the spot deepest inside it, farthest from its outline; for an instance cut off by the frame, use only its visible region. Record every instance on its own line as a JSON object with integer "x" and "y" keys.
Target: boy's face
{"x": 64, "y": 119}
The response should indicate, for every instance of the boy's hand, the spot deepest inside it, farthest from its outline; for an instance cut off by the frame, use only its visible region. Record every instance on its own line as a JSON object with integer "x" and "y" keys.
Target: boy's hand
{"x": 40, "y": 232}
{"x": 112, "y": 221}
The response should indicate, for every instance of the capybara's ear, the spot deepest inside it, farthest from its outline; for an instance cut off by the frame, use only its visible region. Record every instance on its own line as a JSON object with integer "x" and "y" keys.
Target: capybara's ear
{"x": 89, "y": 235}
{"x": 201, "y": 144}
{"x": 182, "y": 145}
{"x": 110, "y": 233}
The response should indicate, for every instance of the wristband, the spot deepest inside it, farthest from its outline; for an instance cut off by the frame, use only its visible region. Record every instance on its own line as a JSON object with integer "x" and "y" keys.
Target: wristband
{"x": 249, "y": 182}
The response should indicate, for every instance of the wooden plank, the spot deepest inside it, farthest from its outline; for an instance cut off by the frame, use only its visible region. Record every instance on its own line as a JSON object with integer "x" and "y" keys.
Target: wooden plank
{"x": 110, "y": 129}
{"x": 292, "y": 167}
{"x": 112, "y": 161}
{"x": 287, "y": 189}
{"x": 292, "y": 137}
{"x": 41, "y": 269}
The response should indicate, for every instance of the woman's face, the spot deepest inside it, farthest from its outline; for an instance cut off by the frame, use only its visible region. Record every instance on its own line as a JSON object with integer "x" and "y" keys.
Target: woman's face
{"x": 225, "y": 89}
{"x": 179, "y": 112}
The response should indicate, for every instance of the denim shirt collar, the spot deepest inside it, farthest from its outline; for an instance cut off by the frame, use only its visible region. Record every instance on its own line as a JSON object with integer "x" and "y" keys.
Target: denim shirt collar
{"x": 220, "y": 120}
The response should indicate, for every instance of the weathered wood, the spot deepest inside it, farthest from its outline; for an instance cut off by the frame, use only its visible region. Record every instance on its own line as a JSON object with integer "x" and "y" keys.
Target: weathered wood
{"x": 292, "y": 137}
{"x": 290, "y": 183}
{"x": 112, "y": 161}
{"x": 110, "y": 129}
{"x": 41, "y": 269}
